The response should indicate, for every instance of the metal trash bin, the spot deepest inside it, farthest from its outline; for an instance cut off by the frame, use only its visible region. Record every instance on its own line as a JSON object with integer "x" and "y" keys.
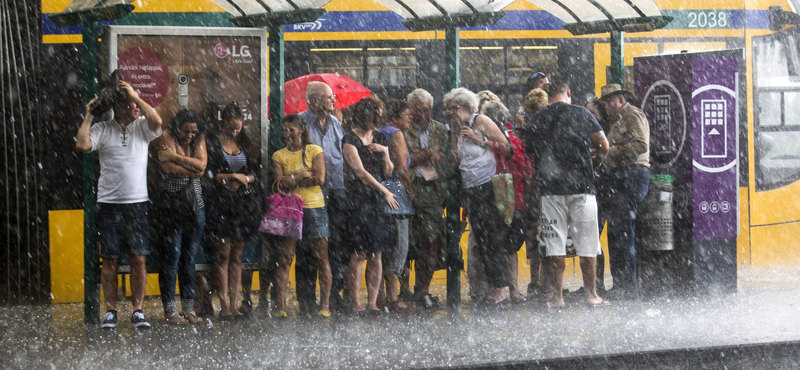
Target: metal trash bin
{"x": 657, "y": 215}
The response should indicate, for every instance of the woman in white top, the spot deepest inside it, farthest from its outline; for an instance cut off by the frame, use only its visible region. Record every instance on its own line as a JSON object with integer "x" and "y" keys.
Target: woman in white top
{"x": 471, "y": 147}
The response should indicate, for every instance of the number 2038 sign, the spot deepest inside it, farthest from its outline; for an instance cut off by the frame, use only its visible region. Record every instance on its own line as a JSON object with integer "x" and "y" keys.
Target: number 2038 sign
{"x": 699, "y": 19}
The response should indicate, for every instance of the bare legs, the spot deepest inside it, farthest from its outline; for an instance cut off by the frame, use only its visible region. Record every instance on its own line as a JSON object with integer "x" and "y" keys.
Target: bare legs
{"x": 282, "y": 273}
{"x": 556, "y": 267}
{"x": 108, "y": 278}
{"x": 588, "y": 269}
{"x": 228, "y": 271}
{"x": 355, "y": 269}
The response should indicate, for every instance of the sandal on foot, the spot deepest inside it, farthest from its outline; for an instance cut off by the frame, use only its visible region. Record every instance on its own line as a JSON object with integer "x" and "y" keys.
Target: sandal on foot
{"x": 175, "y": 319}
{"x": 192, "y": 318}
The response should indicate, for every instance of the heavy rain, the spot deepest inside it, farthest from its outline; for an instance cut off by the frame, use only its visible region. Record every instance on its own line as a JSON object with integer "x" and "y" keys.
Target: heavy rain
{"x": 400, "y": 184}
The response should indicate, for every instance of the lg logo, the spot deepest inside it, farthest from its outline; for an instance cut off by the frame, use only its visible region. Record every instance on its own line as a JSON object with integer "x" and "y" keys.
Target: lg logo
{"x": 222, "y": 50}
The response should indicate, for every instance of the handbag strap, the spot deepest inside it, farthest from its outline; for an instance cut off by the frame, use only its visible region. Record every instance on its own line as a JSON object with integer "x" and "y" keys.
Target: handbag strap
{"x": 498, "y": 154}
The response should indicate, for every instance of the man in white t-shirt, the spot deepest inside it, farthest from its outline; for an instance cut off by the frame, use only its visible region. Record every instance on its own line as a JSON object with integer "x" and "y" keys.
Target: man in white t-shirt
{"x": 122, "y": 201}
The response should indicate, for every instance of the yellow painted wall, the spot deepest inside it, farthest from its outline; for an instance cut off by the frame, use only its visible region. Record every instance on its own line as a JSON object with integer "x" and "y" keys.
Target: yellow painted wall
{"x": 66, "y": 256}
{"x": 602, "y": 58}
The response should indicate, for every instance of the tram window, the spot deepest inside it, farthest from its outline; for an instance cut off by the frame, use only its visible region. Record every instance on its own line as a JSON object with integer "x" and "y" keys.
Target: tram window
{"x": 769, "y": 109}
{"x": 482, "y": 65}
{"x": 391, "y": 67}
{"x": 523, "y": 61}
{"x": 791, "y": 106}
{"x": 777, "y": 105}
{"x": 344, "y": 61}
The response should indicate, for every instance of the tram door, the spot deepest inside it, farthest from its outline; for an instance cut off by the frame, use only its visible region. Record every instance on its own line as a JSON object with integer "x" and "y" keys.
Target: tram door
{"x": 774, "y": 186}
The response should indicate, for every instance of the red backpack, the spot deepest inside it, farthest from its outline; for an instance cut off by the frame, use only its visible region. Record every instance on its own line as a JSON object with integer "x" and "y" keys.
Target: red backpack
{"x": 519, "y": 166}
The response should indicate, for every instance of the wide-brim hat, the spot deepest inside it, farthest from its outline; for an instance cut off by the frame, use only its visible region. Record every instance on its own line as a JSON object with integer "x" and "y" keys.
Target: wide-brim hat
{"x": 610, "y": 90}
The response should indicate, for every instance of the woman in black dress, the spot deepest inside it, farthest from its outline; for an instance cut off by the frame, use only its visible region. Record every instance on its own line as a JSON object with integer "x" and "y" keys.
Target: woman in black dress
{"x": 367, "y": 155}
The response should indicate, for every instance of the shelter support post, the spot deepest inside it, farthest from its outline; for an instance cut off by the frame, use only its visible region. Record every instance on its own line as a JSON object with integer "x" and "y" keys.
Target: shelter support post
{"x": 91, "y": 260}
{"x": 617, "y": 69}
{"x": 276, "y": 79}
{"x": 455, "y": 262}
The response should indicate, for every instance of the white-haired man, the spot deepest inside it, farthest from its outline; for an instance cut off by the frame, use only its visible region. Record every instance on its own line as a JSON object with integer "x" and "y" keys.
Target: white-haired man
{"x": 426, "y": 144}
{"x": 326, "y": 131}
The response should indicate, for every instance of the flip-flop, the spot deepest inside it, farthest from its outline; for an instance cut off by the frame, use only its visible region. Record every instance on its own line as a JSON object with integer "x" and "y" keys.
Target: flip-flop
{"x": 604, "y": 303}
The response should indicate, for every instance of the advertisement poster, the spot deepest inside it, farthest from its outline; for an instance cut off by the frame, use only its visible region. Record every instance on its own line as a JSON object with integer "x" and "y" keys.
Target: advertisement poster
{"x": 197, "y": 68}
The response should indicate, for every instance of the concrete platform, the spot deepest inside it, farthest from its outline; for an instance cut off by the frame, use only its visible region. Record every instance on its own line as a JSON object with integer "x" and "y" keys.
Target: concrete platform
{"x": 756, "y": 328}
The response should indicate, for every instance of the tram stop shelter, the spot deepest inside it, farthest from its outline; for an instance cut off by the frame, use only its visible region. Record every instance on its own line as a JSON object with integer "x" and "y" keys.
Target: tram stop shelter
{"x": 580, "y": 17}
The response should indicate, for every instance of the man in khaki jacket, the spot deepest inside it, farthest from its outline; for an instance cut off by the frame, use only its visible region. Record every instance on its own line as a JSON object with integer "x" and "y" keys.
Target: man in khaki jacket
{"x": 627, "y": 173}
{"x": 426, "y": 143}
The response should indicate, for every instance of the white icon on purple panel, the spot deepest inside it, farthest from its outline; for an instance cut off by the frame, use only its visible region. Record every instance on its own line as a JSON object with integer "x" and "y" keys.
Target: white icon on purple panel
{"x": 715, "y": 129}
{"x": 725, "y": 207}
{"x": 714, "y": 207}
{"x": 663, "y": 126}
{"x": 703, "y": 207}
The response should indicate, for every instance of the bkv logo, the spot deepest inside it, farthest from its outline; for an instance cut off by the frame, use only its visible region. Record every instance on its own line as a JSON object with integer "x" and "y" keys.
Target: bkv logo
{"x": 309, "y": 26}
{"x": 222, "y": 50}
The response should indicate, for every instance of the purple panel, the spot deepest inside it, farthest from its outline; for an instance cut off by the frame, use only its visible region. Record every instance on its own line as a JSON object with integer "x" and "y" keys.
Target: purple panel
{"x": 714, "y": 154}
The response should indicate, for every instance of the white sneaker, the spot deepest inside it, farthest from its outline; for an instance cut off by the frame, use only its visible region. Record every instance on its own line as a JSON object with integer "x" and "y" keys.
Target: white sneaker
{"x": 109, "y": 320}
{"x": 138, "y": 321}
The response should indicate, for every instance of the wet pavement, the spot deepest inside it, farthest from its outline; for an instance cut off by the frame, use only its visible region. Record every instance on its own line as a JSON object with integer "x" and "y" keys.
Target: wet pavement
{"x": 54, "y": 337}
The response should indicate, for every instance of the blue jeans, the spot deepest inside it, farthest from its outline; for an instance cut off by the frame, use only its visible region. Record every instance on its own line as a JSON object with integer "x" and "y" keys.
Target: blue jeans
{"x": 177, "y": 248}
{"x": 619, "y": 202}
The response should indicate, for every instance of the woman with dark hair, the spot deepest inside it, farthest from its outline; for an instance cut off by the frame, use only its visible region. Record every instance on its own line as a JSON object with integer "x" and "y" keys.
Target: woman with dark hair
{"x": 234, "y": 204}
{"x": 398, "y": 119}
{"x": 300, "y": 168}
{"x": 180, "y": 212}
{"x": 368, "y": 163}
{"x": 595, "y": 106}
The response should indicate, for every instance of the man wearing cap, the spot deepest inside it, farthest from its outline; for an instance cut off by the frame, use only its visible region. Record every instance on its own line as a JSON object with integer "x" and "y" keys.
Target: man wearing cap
{"x": 627, "y": 169}
{"x": 536, "y": 81}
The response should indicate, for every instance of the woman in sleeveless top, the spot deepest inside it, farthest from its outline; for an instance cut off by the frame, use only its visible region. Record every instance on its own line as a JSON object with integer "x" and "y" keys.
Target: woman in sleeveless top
{"x": 471, "y": 147}
{"x": 180, "y": 212}
{"x": 300, "y": 168}
{"x": 234, "y": 204}
{"x": 367, "y": 155}
{"x": 398, "y": 119}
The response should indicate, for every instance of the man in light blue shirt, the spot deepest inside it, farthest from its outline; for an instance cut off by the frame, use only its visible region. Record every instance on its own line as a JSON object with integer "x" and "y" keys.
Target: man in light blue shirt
{"x": 326, "y": 131}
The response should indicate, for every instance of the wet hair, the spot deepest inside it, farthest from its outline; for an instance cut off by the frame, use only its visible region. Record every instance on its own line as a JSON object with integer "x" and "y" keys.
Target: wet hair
{"x": 421, "y": 95}
{"x": 232, "y": 111}
{"x": 296, "y": 120}
{"x": 462, "y": 97}
{"x": 185, "y": 116}
{"x": 536, "y": 100}
{"x": 556, "y": 87}
{"x": 394, "y": 108}
{"x": 600, "y": 108}
{"x": 109, "y": 95}
{"x": 497, "y": 112}
{"x": 366, "y": 110}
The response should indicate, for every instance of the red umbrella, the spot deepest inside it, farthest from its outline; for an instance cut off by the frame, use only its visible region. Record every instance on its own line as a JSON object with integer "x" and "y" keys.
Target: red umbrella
{"x": 347, "y": 91}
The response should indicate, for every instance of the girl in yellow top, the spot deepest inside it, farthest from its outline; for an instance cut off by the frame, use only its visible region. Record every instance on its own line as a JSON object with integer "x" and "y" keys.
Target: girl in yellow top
{"x": 300, "y": 166}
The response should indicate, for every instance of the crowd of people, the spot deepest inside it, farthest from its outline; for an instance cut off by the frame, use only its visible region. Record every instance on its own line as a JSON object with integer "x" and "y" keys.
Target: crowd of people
{"x": 572, "y": 169}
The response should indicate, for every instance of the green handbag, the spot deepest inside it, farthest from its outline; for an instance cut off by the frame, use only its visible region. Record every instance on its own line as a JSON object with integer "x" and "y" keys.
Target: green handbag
{"x": 503, "y": 185}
